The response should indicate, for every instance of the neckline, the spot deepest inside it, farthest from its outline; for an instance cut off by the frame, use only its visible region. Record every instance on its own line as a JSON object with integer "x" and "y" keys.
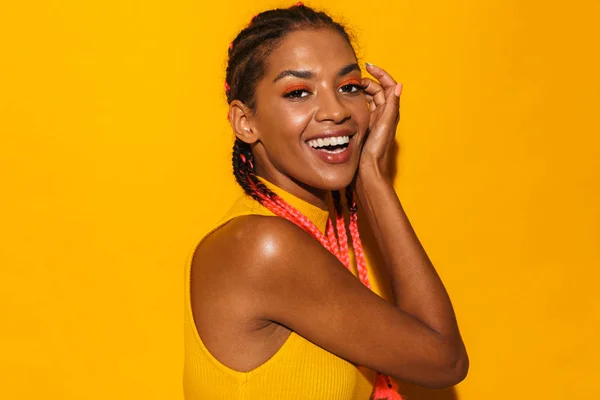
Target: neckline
{"x": 315, "y": 214}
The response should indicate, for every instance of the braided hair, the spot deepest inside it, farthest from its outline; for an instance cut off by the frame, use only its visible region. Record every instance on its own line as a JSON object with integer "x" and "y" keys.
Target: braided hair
{"x": 247, "y": 53}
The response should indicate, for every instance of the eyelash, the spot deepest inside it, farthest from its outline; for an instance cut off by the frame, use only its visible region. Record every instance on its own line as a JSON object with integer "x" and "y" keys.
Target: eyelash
{"x": 295, "y": 93}
{"x": 354, "y": 86}
{"x": 290, "y": 94}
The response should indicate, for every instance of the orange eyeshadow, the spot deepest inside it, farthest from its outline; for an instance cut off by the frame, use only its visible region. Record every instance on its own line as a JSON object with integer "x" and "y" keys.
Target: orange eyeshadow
{"x": 296, "y": 87}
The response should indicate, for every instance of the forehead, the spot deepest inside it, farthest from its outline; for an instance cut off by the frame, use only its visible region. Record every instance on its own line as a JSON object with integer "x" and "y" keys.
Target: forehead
{"x": 314, "y": 49}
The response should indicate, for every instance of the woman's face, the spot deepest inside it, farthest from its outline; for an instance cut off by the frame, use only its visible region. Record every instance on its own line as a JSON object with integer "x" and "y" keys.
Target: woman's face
{"x": 311, "y": 114}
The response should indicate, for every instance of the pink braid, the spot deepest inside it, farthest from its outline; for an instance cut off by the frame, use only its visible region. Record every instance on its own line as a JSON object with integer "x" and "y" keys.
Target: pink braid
{"x": 332, "y": 239}
{"x": 277, "y": 208}
{"x": 361, "y": 263}
{"x": 285, "y": 210}
{"x": 343, "y": 239}
{"x": 383, "y": 389}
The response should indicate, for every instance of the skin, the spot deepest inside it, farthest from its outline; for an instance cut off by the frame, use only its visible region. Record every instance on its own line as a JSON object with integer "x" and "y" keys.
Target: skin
{"x": 258, "y": 278}
{"x": 280, "y": 126}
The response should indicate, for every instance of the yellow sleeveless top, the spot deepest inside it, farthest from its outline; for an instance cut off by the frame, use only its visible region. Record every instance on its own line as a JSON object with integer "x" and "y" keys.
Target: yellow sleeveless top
{"x": 298, "y": 370}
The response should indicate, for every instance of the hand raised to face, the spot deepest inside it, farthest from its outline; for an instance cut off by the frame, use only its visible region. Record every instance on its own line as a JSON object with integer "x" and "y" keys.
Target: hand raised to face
{"x": 383, "y": 97}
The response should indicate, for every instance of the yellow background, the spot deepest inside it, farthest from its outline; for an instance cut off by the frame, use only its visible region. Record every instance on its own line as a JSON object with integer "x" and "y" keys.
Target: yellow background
{"x": 114, "y": 155}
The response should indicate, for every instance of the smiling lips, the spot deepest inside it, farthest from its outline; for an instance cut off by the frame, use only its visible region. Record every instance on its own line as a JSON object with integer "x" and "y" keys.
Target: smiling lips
{"x": 332, "y": 149}
{"x": 336, "y": 141}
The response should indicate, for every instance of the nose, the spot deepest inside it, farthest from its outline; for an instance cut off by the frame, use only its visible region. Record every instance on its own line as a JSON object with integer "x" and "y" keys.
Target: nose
{"x": 331, "y": 107}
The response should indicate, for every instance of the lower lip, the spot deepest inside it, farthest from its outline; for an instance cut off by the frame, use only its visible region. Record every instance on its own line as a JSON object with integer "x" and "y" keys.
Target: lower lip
{"x": 331, "y": 158}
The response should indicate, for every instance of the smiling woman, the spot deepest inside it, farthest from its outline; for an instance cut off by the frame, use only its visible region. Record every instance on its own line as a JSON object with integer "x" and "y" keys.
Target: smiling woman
{"x": 273, "y": 308}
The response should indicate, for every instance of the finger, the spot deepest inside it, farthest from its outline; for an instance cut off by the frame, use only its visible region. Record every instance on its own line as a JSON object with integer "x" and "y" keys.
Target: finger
{"x": 370, "y": 102}
{"x": 373, "y": 89}
{"x": 391, "y": 90}
{"x": 382, "y": 76}
{"x": 392, "y": 108}
{"x": 393, "y": 102}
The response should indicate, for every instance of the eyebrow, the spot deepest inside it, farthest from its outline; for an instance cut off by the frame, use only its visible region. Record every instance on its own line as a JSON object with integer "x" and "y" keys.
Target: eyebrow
{"x": 309, "y": 74}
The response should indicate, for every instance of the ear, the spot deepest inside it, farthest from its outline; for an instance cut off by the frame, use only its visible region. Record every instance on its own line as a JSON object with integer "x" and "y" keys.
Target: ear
{"x": 241, "y": 123}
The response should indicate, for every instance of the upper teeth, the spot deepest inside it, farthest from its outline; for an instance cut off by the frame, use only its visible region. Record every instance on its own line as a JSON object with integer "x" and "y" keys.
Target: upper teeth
{"x": 331, "y": 141}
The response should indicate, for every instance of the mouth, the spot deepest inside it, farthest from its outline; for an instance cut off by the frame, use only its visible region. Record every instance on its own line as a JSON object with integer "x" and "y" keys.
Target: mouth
{"x": 331, "y": 145}
{"x": 333, "y": 149}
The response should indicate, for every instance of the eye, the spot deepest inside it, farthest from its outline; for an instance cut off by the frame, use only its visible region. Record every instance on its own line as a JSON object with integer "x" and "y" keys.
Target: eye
{"x": 350, "y": 88}
{"x": 296, "y": 93}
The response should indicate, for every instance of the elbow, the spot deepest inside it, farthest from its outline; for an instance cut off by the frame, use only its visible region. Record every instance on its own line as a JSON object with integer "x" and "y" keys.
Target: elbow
{"x": 462, "y": 368}
{"x": 451, "y": 373}
{"x": 456, "y": 372}
{"x": 443, "y": 366}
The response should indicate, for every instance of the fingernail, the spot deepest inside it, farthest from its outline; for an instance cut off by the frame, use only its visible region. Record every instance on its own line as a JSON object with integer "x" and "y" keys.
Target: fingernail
{"x": 398, "y": 90}
{"x": 369, "y": 64}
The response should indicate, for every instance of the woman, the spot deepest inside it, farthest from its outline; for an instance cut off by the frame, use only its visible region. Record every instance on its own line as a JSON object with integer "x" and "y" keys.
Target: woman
{"x": 273, "y": 313}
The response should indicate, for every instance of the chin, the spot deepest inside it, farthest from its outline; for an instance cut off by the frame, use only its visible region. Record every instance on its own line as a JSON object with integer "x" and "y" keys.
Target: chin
{"x": 335, "y": 181}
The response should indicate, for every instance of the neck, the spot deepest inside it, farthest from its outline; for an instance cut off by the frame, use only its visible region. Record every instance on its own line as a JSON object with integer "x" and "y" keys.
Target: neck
{"x": 314, "y": 196}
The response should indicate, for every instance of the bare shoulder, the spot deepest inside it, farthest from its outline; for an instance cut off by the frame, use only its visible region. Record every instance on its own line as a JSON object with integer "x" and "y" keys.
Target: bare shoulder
{"x": 251, "y": 245}
{"x": 234, "y": 271}
{"x": 241, "y": 263}
{"x": 268, "y": 269}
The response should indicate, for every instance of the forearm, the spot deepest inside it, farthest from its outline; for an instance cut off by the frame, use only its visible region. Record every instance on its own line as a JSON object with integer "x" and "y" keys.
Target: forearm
{"x": 416, "y": 286}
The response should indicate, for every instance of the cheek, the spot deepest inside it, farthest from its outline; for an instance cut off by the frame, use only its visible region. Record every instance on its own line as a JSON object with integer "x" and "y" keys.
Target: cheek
{"x": 290, "y": 120}
{"x": 282, "y": 124}
{"x": 296, "y": 116}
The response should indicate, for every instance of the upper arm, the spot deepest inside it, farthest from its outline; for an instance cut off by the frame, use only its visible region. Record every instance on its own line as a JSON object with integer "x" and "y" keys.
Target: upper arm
{"x": 296, "y": 282}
